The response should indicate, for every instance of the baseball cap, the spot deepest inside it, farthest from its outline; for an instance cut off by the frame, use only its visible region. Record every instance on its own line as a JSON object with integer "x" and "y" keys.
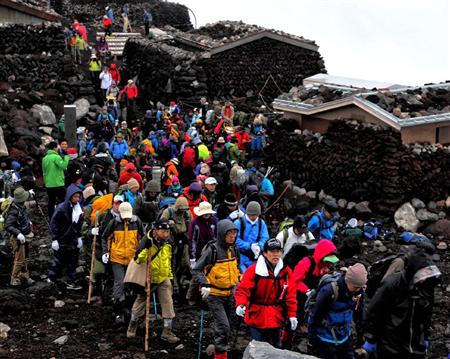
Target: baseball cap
{"x": 162, "y": 224}
{"x": 272, "y": 244}
{"x": 331, "y": 258}
{"x": 210, "y": 180}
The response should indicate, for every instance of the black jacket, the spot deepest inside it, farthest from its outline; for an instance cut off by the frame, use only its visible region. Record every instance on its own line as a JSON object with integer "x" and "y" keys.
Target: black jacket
{"x": 399, "y": 315}
{"x": 17, "y": 221}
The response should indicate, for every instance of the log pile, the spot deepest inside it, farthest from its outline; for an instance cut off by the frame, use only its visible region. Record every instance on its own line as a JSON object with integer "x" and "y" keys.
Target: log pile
{"x": 163, "y": 12}
{"x": 360, "y": 162}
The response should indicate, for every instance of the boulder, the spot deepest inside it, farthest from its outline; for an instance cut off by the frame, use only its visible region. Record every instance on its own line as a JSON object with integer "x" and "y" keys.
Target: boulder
{"x": 61, "y": 340}
{"x": 44, "y": 114}
{"x": 440, "y": 228}
{"x": 311, "y": 194}
{"x": 3, "y": 148}
{"x": 426, "y": 216}
{"x": 351, "y": 205}
{"x": 447, "y": 202}
{"x": 405, "y": 217}
{"x": 417, "y": 203}
{"x": 4, "y": 329}
{"x": 342, "y": 203}
{"x": 82, "y": 107}
{"x": 363, "y": 208}
{"x": 262, "y": 350}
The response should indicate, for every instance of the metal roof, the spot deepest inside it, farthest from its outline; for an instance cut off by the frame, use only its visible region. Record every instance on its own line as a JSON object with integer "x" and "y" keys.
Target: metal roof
{"x": 348, "y": 82}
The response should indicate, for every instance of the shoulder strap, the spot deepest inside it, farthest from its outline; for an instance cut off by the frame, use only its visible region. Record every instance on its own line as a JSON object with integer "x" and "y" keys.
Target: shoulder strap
{"x": 312, "y": 266}
{"x": 335, "y": 288}
{"x": 242, "y": 229}
{"x": 285, "y": 236}
{"x": 259, "y": 230}
{"x": 213, "y": 258}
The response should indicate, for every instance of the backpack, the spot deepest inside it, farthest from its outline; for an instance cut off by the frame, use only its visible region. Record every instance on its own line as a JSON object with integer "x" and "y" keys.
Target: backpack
{"x": 4, "y": 210}
{"x": 413, "y": 238}
{"x": 317, "y": 232}
{"x": 296, "y": 254}
{"x": 376, "y": 273}
{"x": 312, "y": 298}
{"x": 100, "y": 205}
{"x": 372, "y": 230}
{"x": 166, "y": 202}
{"x": 212, "y": 245}
{"x": 8, "y": 184}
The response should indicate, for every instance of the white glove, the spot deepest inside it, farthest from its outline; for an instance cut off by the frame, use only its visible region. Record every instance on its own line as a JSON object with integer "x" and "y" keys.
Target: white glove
{"x": 205, "y": 292}
{"x": 55, "y": 245}
{"x": 79, "y": 243}
{"x": 21, "y": 238}
{"x": 309, "y": 292}
{"x": 105, "y": 258}
{"x": 294, "y": 323}
{"x": 31, "y": 192}
{"x": 95, "y": 231}
{"x": 240, "y": 311}
{"x": 192, "y": 263}
{"x": 255, "y": 249}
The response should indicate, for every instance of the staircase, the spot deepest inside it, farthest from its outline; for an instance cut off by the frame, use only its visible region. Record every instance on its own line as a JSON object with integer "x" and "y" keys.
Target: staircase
{"x": 117, "y": 41}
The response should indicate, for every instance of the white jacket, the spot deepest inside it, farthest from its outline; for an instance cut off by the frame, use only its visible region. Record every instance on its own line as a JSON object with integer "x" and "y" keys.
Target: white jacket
{"x": 106, "y": 80}
{"x": 293, "y": 239}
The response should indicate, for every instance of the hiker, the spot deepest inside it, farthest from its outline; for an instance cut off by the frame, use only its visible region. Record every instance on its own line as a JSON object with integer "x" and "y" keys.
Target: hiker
{"x": 210, "y": 190}
{"x": 175, "y": 188}
{"x": 131, "y": 92}
{"x": 128, "y": 173}
{"x": 229, "y": 209}
{"x": 157, "y": 245}
{"x": 65, "y": 228}
{"x": 95, "y": 67}
{"x": 126, "y": 132}
{"x": 119, "y": 149}
{"x": 120, "y": 240}
{"x": 322, "y": 224}
{"x": 106, "y": 81}
{"x": 126, "y": 23}
{"x": 171, "y": 170}
{"x": 53, "y": 167}
{"x": 194, "y": 196}
{"x": 266, "y": 296}
{"x": 109, "y": 13}
{"x": 148, "y": 19}
{"x": 115, "y": 74}
{"x": 338, "y": 303}
{"x": 217, "y": 272}
{"x": 202, "y": 230}
{"x": 398, "y": 318}
{"x": 107, "y": 25}
{"x": 147, "y": 207}
{"x": 18, "y": 225}
{"x": 297, "y": 234}
{"x": 252, "y": 234}
{"x": 78, "y": 46}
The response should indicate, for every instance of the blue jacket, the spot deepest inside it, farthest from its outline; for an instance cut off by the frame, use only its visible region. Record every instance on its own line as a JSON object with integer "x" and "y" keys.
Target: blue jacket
{"x": 119, "y": 150}
{"x": 246, "y": 239}
{"x": 106, "y": 115}
{"x": 266, "y": 187}
{"x": 61, "y": 226}
{"x": 109, "y": 13}
{"x": 331, "y": 320}
{"x": 323, "y": 224}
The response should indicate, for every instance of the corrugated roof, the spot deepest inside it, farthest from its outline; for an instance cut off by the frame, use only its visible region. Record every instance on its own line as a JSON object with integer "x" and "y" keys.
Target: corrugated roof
{"x": 348, "y": 82}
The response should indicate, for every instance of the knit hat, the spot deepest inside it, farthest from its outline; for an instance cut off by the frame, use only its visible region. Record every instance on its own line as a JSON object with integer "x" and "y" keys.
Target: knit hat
{"x": 195, "y": 187}
{"x": 123, "y": 162}
{"x": 15, "y": 165}
{"x": 230, "y": 199}
{"x": 125, "y": 210}
{"x": 153, "y": 186}
{"x": 253, "y": 208}
{"x": 175, "y": 179}
{"x": 133, "y": 183}
{"x": 20, "y": 195}
{"x": 130, "y": 167}
{"x": 88, "y": 192}
{"x": 356, "y": 275}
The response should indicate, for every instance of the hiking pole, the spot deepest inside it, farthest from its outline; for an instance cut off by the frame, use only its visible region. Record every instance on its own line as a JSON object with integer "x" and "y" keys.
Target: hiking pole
{"x": 147, "y": 307}
{"x": 91, "y": 273}
{"x": 276, "y": 201}
{"x": 202, "y": 315}
{"x": 40, "y": 210}
{"x": 154, "y": 305}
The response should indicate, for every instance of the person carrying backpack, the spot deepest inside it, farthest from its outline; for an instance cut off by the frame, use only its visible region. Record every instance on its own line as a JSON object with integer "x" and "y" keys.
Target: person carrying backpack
{"x": 334, "y": 306}
{"x": 157, "y": 245}
{"x": 202, "y": 230}
{"x": 322, "y": 224}
{"x": 252, "y": 234}
{"x": 217, "y": 272}
{"x": 18, "y": 225}
{"x": 398, "y": 318}
{"x": 297, "y": 234}
{"x": 266, "y": 296}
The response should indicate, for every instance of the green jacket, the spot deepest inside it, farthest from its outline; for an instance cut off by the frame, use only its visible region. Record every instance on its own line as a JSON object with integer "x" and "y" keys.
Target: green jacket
{"x": 53, "y": 167}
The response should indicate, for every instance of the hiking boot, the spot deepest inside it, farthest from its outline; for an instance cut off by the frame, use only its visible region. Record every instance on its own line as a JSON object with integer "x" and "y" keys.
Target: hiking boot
{"x": 15, "y": 282}
{"x": 73, "y": 286}
{"x": 30, "y": 281}
{"x": 132, "y": 328}
{"x": 168, "y": 336}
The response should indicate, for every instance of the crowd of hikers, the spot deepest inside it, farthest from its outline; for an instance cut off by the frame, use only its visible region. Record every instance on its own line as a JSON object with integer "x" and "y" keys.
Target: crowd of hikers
{"x": 185, "y": 193}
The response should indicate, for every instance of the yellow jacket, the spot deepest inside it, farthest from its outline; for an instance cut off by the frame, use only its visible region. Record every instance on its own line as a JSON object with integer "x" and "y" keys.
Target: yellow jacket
{"x": 161, "y": 261}
{"x": 95, "y": 65}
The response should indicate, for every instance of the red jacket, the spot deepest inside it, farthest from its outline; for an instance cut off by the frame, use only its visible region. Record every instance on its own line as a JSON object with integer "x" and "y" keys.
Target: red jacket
{"x": 242, "y": 137}
{"x": 83, "y": 31}
{"x": 273, "y": 297}
{"x": 323, "y": 249}
{"x": 131, "y": 91}
{"x": 193, "y": 202}
{"x": 189, "y": 158}
{"x": 115, "y": 74}
{"x": 106, "y": 22}
{"x": 125, "y": 176}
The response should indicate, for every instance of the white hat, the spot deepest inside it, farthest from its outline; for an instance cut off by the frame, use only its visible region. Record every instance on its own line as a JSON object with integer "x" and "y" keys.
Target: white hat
{"x": 204, "y": 208}
{"x": 210, "y": 180}
{"x": 118, "y": 198}
{"x": 175, "y": 161}
{"x": 125, "y": 210}
{"x": 130, "y": 81}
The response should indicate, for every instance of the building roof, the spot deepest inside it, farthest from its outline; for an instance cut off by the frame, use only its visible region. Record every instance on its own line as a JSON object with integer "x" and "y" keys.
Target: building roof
{"x": 360, "y": 100}
{"x": 348, "y": 82}
{"x": 32, "y": 8}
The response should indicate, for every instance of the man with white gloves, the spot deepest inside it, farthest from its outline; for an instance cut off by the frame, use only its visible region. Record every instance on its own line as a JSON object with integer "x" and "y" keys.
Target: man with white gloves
{"x": 217, "y": 272}
{"x": 65, "y": 227}
{"x": 266, "y": 295}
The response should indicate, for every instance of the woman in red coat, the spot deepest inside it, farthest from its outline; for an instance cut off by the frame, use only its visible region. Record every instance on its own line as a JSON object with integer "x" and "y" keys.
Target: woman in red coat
{"x": 266, "y": 294}
{"x": 115, "y": 74}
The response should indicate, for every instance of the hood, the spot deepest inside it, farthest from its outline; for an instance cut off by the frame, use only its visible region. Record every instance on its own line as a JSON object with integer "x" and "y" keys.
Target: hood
{"x": 181, "y": 204}
{"x": 112, "y": 67}
{"x": 223, "y": 227}
{"x": 71, "y": 190}
{"x": 323, "y": 249}
{"x": 417, "y": 260}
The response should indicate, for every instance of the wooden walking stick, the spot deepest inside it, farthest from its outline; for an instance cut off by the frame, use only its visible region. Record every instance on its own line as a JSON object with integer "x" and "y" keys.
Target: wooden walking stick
{"x": 91, "y": 273}
{"x": 147, "y": 306}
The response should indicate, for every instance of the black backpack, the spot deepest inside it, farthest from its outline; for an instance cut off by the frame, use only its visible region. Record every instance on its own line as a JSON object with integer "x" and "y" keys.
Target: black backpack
{"x": 376, "y": 273}
{"x": 312, "y": 298}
